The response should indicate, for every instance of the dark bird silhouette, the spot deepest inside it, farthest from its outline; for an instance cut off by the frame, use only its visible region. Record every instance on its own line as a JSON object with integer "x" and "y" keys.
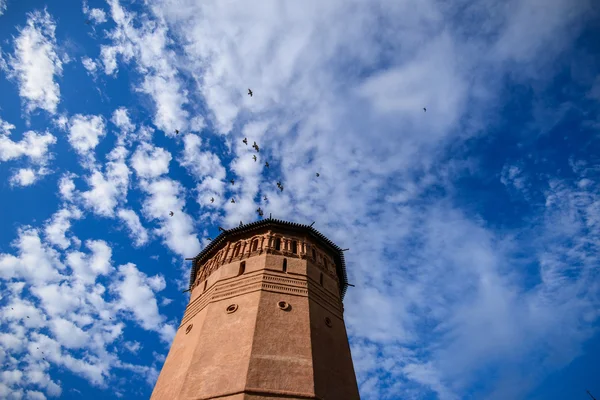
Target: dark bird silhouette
{"x": 171, "y": 213}
{"x": 424, "y": 109}
{"x": 209, "y": 239}
{"x": 177, "y": 131}
{"x": 259, "y": 211}
{"x": 265, "y": 198}
{"x": 232, "y": 182}
{"x": 245, "y": 141}
{"x": 318, "y": 175}
{"x": 87, "y": 21}
{"x": 267, "y": 164}
{"x": 233, "y": 200}
{"x": 241, "y": 223}
{"x": 28, "y": 316}
{"x": 280, "y": 186}
{"x": 250, "y": 92}
{"x": 255, "y": 146}
{"x": 212, "y": 199}
{"x": 254, "y": 156}
{"x": 588, "y": 392}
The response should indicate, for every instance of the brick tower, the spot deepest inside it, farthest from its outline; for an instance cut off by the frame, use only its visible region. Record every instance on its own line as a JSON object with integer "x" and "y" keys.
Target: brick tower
{"x": 264, "y": 321}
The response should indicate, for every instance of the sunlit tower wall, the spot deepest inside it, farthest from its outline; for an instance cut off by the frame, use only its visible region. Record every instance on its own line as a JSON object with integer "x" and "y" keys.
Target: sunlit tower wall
{"x": 264, "y": 321}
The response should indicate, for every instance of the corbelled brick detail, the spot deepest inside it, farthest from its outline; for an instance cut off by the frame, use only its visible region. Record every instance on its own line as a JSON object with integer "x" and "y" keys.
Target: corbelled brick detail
{"x": 264, "y": 321}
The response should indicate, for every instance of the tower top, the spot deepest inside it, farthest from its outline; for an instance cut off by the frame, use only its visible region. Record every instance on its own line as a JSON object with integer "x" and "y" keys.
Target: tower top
{"x": 340, "y": 263}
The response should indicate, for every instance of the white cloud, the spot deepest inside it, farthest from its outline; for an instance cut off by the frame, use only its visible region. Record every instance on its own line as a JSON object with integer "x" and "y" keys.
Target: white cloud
{"x": 200, "y": 164}
{"x": 136, "y": 294}
{"x": 2, "y": 6}
{"x": 133, "y": 346}
{"x": 150, "y": 161}
{"x": 108, "y": 189}
{"x": 69, "y": 304}
{"x": 58, "y": 225}
{"x": 33, "y": 146}
{"x": 68, "y": 334}
{"x": 197, "y": 123}
{"x": 169, "y": 99}
{"x": 121, "y": 119}
{"x": 138, "y": 233}
{"x": 178, "y": 232}
{"x": 88, "y": 267}
{"x": 24, "y": 177}
{"x": 34, "y": 395}
{"x": 67, "y": 187}
{"x": 35, "y": 63}
{"x": 89, "y": 65}
{"x": 85, "y": 132}
{"x": 206, "y": 168}
{"x": 95, "y": 14}
{"x": 36, "y": 261}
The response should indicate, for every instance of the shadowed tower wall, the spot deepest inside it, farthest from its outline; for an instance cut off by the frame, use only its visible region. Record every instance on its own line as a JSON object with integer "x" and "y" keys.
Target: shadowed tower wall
{"x": 264, "y": 321}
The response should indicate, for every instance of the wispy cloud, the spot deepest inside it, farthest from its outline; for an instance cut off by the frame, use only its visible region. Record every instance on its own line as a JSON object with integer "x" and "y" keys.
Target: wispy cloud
{"x": 148, "y": 45}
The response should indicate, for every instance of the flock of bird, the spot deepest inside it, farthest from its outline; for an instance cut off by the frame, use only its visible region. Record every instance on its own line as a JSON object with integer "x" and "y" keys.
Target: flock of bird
{"x": 255, "y": 146}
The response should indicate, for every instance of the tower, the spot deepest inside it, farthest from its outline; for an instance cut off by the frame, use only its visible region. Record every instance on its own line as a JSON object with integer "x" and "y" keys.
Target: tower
{"x": 264, "y": 321}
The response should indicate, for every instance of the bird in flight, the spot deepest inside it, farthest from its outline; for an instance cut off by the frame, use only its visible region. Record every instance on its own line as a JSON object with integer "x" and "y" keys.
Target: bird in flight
{"x": 424, "y": 109}
{"x": 171, "y": 213}
{"x": 232, "y": 182}
{"x": 254, "y": 156}
{"x": 280, "y": 186}
{"x": 245, "y": 141}
{"x": 259, "y": 211}
{"x": 250, "y": 92}
{"x": 212, "y": 199}
{"x": 233, "y": 200}
{"x": 318, "y": 175}
{"x": 265, "y": 198}
{"x": 209, "y": 239}
{"x": 177, "y": 131}
{"x": 255, "y": 146}
{"x": 267, "y": 164}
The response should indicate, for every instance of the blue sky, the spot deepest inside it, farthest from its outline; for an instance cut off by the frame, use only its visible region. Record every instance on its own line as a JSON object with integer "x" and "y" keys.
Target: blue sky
{"x": 474, "y": 227}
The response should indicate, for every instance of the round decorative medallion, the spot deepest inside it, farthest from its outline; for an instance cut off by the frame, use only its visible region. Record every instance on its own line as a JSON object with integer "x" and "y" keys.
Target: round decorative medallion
{"x": 328, "y": 321}
{"x": 188, "y": 329}
{"x": 284, "y": 305}
{"x": 231, "y": 308}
